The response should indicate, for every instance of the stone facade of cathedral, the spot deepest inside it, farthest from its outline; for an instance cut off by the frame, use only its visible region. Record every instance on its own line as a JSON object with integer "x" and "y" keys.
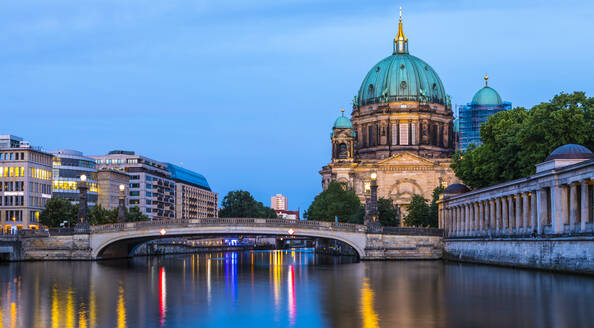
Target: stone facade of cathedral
{"x": 401, "y": 128}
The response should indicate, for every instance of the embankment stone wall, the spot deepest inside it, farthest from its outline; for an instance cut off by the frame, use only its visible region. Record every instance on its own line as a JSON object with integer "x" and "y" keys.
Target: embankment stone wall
{"x": 69, "y": 247}
{"x": 399, "y": 247}
{"x": 571, "y": 254}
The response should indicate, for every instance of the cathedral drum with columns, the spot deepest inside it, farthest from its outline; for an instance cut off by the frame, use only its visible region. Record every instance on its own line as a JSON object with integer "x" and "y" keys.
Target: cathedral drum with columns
{"x": 401, "y": 128}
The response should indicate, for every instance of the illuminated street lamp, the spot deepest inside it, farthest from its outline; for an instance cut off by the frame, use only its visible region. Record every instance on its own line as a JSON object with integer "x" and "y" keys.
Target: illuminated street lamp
{"x": 371, "y": 213}
{"x": 162, "y": 232}
{"x": 83, "y": 209}
{"x": 122, "y": 204}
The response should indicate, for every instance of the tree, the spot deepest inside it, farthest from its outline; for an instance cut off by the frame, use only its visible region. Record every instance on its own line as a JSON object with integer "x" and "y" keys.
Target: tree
{"x": 58, "y": 210}
{"x": 434, "y": 214}
{"x": 99, "y": 215}
{"x": 338, "y": 200}
{"x": 419, "y": 212}
{"x": 132, "y": 215}
{"x": 388, "y": 214}
{"x": 514, "y": 141}
{"x": 241, "y": 204}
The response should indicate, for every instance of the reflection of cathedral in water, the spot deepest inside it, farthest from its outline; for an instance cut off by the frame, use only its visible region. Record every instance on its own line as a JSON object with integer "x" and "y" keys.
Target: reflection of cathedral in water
{"x": 401, "y": 127}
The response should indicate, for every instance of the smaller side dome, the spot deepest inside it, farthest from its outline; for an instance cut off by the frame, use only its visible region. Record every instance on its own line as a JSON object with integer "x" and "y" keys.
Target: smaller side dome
{"x": 456, "y": 188}
{"x": 570, "y": 151}
{"x": 487, "y": 96}
{"x": 342, "y": 122}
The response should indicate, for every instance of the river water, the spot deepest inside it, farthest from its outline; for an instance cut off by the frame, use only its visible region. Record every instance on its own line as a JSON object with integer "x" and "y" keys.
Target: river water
{"x": 287, "y": 289}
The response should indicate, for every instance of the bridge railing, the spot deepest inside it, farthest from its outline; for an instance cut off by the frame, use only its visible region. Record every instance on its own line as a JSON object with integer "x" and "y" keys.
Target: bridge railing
{"x": 413, "y": 231}
{"x": 230, "y": 222}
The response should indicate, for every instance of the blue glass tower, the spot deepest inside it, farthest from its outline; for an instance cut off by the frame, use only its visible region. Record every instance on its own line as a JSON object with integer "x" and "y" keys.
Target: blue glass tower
{"x": 485, "y": 103}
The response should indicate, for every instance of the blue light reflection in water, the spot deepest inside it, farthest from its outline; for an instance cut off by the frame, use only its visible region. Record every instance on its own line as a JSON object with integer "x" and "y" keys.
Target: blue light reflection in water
{"x": 292, "y": 288}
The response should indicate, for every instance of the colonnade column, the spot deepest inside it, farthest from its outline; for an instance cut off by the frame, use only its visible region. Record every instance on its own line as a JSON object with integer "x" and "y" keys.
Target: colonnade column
{"x": 481, "y": 217}
{"x": 585, "y": 212}
{"x": 573, "y": 206}
{"x": 543, "y": 207}
{"x": 465, "y": 214}
{"x": 504, "y": 214}
{"x": 525, "y": 212}
{"x": 492, "y": 215}
{"x": 497, "y": 202}
{"x": 518, "y": 214}
{"x": 533, "y": 212}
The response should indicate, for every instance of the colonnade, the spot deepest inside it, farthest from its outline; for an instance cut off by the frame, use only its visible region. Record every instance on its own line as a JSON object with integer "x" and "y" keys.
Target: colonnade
{"x": 557, "y": 209}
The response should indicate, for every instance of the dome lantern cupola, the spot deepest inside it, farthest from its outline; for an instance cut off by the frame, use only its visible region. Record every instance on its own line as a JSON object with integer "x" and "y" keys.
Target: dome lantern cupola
{"x": 400, "y": 42}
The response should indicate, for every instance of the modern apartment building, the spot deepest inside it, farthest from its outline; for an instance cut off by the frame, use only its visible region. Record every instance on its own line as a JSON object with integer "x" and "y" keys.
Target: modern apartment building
{"x": 193, "y": 196}
{"x": 25, "y": 183}
{"x": 150, "y": 186}
{"x": 278, "y": 202}
{"x": 109, "y": 182}
{"x": 68, "y": 166}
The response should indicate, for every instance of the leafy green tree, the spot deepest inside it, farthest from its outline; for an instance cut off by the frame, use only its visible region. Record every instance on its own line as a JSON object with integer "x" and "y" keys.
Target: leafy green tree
{"x": 99, "y": 215}
{"x": 132, "y": 215}
{"x": 434, "y": 218}
{"x": 241, "y": 204}
{"x": 338, "y": 200}
{"x": 58, "y": 210}
{"x": 419, "y": 212}
{"x": 388, "y": 213}
{"x": 514, "y": 141}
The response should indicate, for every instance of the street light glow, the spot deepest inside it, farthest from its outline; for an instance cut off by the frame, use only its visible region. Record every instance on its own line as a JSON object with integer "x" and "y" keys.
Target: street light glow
{"x": 83, "y": 178}
{"x": 373, "y": 176}
{"x": 162, "y": 232}
{"x": 122, "y": 187}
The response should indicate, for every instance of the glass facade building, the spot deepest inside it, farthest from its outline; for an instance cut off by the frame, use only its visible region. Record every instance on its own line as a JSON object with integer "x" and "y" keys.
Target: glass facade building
{"x": 193, "y": 197}
{"x": 67, "y": 168}
{"x": 485, "y": 103}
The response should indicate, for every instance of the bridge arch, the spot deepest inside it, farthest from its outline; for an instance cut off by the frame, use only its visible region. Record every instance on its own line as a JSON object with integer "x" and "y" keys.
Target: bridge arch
{"x": 126, "y": 239}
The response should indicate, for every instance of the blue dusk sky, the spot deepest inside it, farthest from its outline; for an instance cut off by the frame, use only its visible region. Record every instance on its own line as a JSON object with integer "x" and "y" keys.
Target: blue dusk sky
{"x": 245, "y": 92}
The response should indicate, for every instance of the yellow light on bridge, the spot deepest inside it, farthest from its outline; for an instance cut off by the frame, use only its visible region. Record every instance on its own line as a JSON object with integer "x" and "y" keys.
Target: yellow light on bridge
{"x": 162, "y": 232}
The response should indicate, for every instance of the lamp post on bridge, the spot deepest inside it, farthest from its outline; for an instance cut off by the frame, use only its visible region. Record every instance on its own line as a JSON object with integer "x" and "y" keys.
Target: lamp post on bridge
{"x": 371, "y": 213}
{"x": 83, "y": 210}
{"x": 122, "y": 204}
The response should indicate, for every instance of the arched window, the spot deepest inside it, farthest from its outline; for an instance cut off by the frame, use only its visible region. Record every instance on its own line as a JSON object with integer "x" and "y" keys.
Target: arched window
{"x": 342, "y": 151}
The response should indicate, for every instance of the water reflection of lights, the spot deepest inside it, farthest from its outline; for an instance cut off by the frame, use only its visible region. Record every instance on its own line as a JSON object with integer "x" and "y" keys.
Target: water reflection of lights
{"x": 121, "y": 310}
{"x": 291, "y": 293}
{"x": 69, "y": 309}
{"x": 231, "y": 274}
{"x": 162, "y": 296}
{"x": 208, "y": 270}
{"x": 370, "y": 319}
{"x": 276, "y": 266}
{"x": 55, "y": 308}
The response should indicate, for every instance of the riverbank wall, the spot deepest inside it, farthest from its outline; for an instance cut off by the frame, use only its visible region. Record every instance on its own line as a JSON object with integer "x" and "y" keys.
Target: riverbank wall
{"x": 565, "y": 254}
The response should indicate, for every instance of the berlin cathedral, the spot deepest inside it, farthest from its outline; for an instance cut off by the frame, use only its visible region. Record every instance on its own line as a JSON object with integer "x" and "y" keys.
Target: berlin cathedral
{"x": 401, "y": 128}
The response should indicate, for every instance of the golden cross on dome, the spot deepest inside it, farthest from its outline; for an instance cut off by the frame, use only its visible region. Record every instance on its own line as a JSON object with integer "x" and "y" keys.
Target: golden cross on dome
{"x": 401, "y": 13}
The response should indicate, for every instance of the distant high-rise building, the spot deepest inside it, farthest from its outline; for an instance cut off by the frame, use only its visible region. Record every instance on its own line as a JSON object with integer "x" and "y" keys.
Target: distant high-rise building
{"x": 150, "y": 189}
{"x": 278, "y": 202}
{"x": 193, "y": 197}
{"x": 68, "y": 166}
{"x": 25, "y": 183}
{"x": 485, "y": 103}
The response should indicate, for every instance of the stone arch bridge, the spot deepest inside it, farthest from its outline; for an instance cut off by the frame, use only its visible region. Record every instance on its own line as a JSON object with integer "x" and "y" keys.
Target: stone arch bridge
{"x": 119, "y": 239}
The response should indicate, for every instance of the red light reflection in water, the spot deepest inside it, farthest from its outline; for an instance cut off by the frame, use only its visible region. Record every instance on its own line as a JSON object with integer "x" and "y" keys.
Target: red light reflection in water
{"x": 291, "y": 293}
{"x": 162, "y": 296}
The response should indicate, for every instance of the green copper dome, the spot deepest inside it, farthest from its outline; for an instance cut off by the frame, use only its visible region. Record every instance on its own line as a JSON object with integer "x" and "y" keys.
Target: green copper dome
{"x": 486, "y": 96}
{"x": 401, "y": 77}
{"x": 342, "y": 123}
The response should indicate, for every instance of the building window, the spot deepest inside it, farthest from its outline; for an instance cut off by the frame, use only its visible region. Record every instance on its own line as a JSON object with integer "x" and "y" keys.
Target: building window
{"x": 342, "y": 151}
{"x": 394, "y": 134}
{"x": 404, "y": 134}
{"x": 413, "y": 133}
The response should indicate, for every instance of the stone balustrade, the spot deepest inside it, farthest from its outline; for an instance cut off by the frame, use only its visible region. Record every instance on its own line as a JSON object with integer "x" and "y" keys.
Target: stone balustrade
{"x": 557, "y": 201}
